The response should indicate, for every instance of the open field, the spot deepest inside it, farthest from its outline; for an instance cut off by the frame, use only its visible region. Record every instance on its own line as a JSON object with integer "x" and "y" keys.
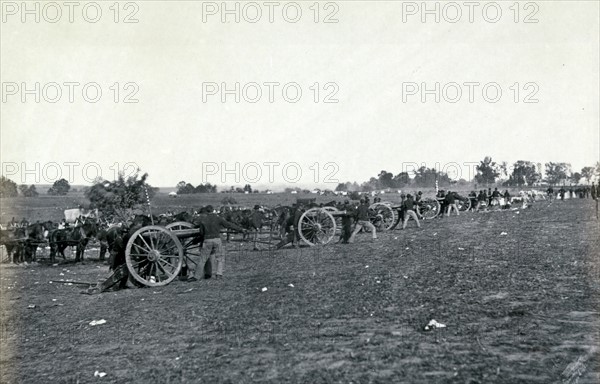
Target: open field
{"x": 518, "y": 308}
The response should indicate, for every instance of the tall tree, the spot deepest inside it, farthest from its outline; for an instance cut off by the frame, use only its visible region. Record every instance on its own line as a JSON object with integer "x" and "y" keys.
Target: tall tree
{"x": 59, "y": 188}
{"x": 385, "y": 179}
{"x": 587, "y": 173}
{"x": 487, "y": 171}
{"x": 575, "y": 177}
{"x": 524, "y": 173}
{"x": 557, "y": 173}
{"x": 401, "y": 180}
{"x": 119, "y": 198}
{"x": 426, "y": 177}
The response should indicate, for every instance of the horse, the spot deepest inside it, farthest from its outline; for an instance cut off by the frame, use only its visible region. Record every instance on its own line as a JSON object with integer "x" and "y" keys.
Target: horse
{"x": 8, "y": 238}
{"x": 77, "y": 236}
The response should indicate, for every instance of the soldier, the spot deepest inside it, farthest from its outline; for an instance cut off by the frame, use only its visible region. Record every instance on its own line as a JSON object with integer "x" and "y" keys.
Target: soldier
{"x": 291, "y": 226}
{"x": 473, "y": 199}
{"x": 419, "y": 204}
{"x": 450, "y": 201}
{"x": 506, "y": 199}
{"x": 409, "y": 211}
{"x": 212, "y": 242}
{"x": 496, "y": 196}
{"x": 362, "y": 216}
{"x": 481, "y": 199}
{"x": 347, "y": 220}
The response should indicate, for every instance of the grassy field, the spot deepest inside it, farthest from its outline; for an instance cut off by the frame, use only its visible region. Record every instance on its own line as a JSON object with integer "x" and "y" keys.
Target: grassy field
{"x": 519, "y": 307}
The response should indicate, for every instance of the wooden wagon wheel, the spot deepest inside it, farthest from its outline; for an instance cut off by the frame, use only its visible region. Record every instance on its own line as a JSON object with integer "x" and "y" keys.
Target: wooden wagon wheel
{"x": 430, "y": 208}
{"x": 464, "y": 205}
{"x": 190, "y": 247}
{"x": 316, "y": 226}
{"x": 385, "y": 217}
{"x": 154, "y": 256}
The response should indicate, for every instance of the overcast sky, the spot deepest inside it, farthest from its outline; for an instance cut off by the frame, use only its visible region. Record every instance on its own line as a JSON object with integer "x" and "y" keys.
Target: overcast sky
{"x": 370, "y": 57}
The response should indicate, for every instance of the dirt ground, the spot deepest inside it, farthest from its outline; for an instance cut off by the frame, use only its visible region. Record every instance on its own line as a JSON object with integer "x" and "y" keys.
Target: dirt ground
{"x": 518, "y": 292}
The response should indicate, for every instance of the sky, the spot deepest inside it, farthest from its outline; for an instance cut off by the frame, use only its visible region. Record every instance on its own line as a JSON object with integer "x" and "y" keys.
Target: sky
{"x": 167, "y": 74}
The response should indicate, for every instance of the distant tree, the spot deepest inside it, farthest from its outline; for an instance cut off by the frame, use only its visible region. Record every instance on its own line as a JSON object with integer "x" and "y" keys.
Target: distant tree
{"x": 575, "y": 177}
{"x": 8, "y": 188}
{"x": 598, "y": 169}
{"x": 59, "y": 188}
{"x": 524, "y": 173}
{"x": 248, "y": 188}
{"x": 385, "y": 180}
{"x": 184, "y": 188}
{"x": 487, "y": 171}
{"x": 401, "y": 180}
{"x": 426, "y": 177}
{"x": 205, "y": 188}
{"x": 31, "y": 191}
{"x": 28, "y": 191}
{"x": 587, "y": 173}
{"x": 341, "y": 187}
{"x": 557, "y": 173}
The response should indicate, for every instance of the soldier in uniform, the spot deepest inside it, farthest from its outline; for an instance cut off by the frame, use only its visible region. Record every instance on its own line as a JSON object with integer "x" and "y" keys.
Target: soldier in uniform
{"x": 409, "y": 212}
{"x": 347, "y": 220}
{"x": 213, "y": 247}
{"x": 362, "y": 216}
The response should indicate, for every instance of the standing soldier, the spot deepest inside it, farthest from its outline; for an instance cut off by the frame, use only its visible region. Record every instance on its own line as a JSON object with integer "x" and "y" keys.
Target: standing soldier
{"x": 347, "y": 220}
{"x": 450, "y": 202}
{"x": 596, "y": 195}
{"x": 409, "y": 204}
{"x": 362, "y": 215}
{"x": 212, "y": 242}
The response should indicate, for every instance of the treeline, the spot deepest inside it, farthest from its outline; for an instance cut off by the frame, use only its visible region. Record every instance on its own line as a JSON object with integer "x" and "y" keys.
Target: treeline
{"x": 522, "y": 173}
{"x": 184, "y": 188}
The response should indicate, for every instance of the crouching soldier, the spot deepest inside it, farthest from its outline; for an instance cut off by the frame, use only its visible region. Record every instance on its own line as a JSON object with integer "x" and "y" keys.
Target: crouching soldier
{"x": 116, "y": 241}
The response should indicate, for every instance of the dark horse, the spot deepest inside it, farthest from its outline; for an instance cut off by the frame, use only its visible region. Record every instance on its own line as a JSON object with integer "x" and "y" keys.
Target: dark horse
{"x": 77, "y": 236}
{"x": 22, "y": 243}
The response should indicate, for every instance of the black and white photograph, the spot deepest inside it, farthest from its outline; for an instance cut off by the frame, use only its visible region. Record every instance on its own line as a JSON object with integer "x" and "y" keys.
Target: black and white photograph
{"x": 304, "y": 191}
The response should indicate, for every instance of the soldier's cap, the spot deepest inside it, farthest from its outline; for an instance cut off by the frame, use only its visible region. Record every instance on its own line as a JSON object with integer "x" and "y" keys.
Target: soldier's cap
{"x": 409, "y": 195}
{"x": 257, "y": 206}
{"x": 346, "y": 201}
{"x": 209, "y": 208}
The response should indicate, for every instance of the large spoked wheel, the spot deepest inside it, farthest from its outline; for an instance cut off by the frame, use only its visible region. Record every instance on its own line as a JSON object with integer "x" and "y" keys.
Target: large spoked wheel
{"x": 464, "y": 205}
{"x": 154, "y": 256}
{"x": 430, "y": 209}
{"x": 316, "y": 226}
{"x": 190, "y": 244}
{"x": 384, "y": 216}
